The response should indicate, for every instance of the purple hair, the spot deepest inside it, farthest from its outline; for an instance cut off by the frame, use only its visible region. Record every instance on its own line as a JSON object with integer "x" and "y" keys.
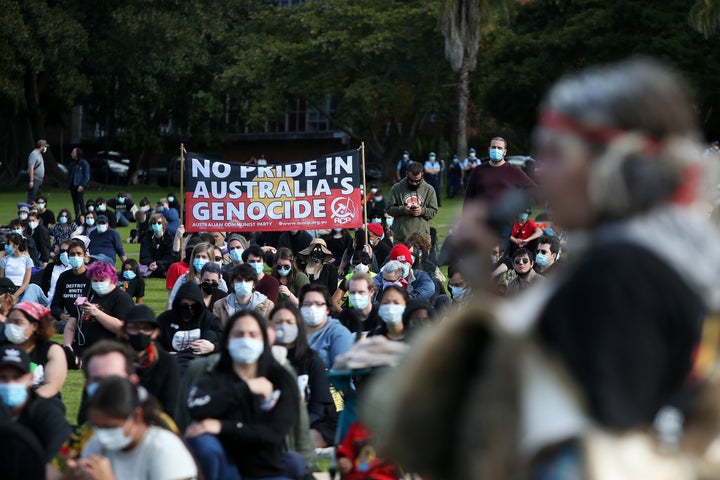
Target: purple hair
{"x": 101, "y": 271}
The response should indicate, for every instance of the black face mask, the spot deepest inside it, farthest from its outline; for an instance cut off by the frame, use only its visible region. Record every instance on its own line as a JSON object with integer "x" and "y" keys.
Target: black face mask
{"x": 317, "y": 256}
{"x": 189, "y": 312}
{"x": 208, "y": 287}
{"x": 139, "y": 341}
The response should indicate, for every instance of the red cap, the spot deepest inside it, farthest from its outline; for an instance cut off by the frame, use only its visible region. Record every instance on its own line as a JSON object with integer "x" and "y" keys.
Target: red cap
{"x": 376, "y": 228}
{"x": 401, "y": 253}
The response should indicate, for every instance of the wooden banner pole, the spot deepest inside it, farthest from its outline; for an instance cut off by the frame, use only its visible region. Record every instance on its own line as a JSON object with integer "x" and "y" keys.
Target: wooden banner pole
{"x": 365, "y": 192}
{"x": 182, "y": 183}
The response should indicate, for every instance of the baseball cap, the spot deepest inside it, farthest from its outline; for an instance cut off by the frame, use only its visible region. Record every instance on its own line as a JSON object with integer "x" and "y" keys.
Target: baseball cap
{"x": 7, "y": 286}
{"x": 102, "y": 218}
{"x": 140, "y": 314}
{"x": 14, "y": 356}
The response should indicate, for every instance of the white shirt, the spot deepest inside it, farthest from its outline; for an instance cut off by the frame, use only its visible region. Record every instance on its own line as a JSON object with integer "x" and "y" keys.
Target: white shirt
{"x": 160, "y": 455}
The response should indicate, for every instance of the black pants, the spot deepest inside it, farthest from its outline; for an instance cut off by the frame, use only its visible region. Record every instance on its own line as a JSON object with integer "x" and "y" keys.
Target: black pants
{"x": 78, "y": 200}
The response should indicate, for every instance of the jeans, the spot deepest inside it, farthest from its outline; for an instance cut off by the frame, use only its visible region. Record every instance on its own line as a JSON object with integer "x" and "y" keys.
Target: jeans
{"x": 214, "y": 463}
{"x": 78, "y": 199}
{"x": 121, "y": 220}
{"x": 33, "y": 293}
{"x": 34, "y": 192}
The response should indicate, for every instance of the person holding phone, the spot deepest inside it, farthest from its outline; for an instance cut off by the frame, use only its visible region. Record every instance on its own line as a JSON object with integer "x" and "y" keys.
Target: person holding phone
{"x": 412, "y": 204}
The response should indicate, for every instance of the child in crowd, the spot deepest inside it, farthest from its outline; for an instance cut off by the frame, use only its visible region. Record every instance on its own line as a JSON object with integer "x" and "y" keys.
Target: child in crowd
{"x": 131, "y": 281}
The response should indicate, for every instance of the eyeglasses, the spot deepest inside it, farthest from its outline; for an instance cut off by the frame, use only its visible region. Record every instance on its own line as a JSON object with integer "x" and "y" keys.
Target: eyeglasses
{"x": 313, "y": 304}
{"x": 524, "y": 261}
{"x": 157, "y": 223}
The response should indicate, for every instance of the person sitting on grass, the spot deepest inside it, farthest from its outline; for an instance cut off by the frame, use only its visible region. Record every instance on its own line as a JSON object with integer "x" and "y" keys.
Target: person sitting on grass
{"x": 244, "y": 296}
{"x": 132, "y": 282}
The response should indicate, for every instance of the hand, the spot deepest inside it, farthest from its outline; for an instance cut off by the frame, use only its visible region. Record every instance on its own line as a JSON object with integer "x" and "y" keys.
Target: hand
{"x": 71, "y": 358}
{"x": 345, "y": 465}
{"x": 180, "y": 231}
{"x": 97, "y": 467}
{"x": 260, "y": 386}
{"x": 80, "y": 188}
{"x": 202, "y": 346}
{"x": 416, "y": 210}
{"x": 30, "y": 184}
{"x": 367, "y": 249}
{"x": 153, "y": 266}
{"x": 90, "y": 308}
{"x": 210, "y": 426}
{"x": 284, "y": 290}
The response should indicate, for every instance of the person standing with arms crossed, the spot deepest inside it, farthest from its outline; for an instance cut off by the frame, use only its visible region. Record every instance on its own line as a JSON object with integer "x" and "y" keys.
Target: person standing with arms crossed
{"x": 78, "y": 179}
{"x": 36, "y": 170}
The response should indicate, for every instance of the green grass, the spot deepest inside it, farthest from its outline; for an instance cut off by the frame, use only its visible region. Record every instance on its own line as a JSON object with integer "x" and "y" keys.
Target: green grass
{"x": 155, "y": 292}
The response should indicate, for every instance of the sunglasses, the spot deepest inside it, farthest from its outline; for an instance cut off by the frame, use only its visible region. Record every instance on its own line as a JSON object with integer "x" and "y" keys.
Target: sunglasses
{"x": 524, "y": 261}
{"x": 414, "y": 182}
{"x": 157, "y": 223}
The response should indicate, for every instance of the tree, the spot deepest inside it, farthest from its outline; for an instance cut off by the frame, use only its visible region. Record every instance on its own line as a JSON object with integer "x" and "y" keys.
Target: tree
{"x": 380, "y": 62}
{"x": 550, "y": 38}
{"x": 705, "y": 16}
{"x": 41, "y": 45}
{"x": 463, "y": 22}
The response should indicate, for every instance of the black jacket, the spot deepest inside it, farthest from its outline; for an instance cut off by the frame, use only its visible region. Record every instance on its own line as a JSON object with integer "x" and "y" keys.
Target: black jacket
{"x": 45, "y": 417}
{"x": 159, "y": 250}
{"x": 252, "y": 437}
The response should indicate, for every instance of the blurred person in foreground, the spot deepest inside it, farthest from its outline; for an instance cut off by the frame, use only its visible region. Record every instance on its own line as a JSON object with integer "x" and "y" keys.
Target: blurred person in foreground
{"x": 610, "y": 360}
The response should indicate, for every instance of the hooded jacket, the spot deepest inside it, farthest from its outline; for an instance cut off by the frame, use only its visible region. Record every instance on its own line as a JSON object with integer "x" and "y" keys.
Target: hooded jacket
{"x": 404, "y": 225}
{"x": 226, "y": 307}
{"x": 177, "y": 334}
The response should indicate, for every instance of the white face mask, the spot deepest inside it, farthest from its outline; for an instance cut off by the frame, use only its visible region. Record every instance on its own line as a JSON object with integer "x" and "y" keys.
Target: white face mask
{"x": 391, "y": 313}
{"x": 33, "y": 225}
{"x": 113, "y": 438}
{"x": 15, "y": 333}
{"x": 313, "y": 316}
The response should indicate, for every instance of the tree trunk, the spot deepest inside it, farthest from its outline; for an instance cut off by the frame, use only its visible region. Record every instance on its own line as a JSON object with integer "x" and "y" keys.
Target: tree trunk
{"x": 463, "y": 92}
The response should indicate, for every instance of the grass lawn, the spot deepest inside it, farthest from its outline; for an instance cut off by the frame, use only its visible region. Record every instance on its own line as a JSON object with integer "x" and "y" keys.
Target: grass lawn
{"x": 155, "y": 293}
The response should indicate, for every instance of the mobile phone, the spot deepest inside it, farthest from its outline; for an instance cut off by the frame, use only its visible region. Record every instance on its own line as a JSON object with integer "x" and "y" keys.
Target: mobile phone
{"x": 80, "y": 300}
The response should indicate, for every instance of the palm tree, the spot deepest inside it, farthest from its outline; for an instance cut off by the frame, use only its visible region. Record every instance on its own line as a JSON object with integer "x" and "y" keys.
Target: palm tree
{"x": 462, "y": 23}
{"x": 705, "y": 16}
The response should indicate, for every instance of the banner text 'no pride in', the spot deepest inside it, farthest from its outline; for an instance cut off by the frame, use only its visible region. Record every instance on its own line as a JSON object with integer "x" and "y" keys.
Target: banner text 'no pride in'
{"x": 316, "y": 194}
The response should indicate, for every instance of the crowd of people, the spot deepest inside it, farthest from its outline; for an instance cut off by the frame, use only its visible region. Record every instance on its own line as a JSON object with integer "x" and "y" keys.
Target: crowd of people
{"x": 264, "y": 355}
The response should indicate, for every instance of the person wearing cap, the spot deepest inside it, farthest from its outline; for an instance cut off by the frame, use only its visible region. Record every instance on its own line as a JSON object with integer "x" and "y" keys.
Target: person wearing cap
{"x": 30, "y": 326}
{"x": 171, "y": 215}
{"x": 432, "y": 175}
{"x": 23, "y": 212}
{"x": 266, "y": 284}
{"x": 123, "y": 207}
{"x": 156, "y": 253}
{"x": 469, "y": 164}
{"x": 44, "y": 417}
{"x": 319, "y": 266}
{"x": 525, "y": 234}
{"x": 454, "y": 177}
{"x": 403, "y": 165}
{"x": 90, "y": 205}
{"x": 155, "y": 367}
{"x": 236, "y": 245}
{"x": 36, "y": 170}
{"x": 106, "y": 240}
{"x": 419, "y": 283}
{"x": 412, "y": 204}
{"x": 7, "y": 300}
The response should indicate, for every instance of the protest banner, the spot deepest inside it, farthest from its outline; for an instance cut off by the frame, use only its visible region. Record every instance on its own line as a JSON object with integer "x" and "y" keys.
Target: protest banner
{"x": 316, "y": 194}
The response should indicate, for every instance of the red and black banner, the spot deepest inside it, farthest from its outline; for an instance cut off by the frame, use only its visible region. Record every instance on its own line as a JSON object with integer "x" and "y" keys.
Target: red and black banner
{"x": 316, "y": 194}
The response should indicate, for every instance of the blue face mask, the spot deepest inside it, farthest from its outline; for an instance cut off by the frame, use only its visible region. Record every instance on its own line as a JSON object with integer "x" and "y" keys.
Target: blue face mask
{"x": 496, "y": 155}
{"x": 90, "y": 222}
{"x": 76, "y": 262}
{"x": 64, "y": 259}
{"x": 63, "y": 220}
{"x": 243, "y": 289}
{"x": 91, "y": 389}
{"x": 406, "y": 270}
{"x": 198, "y": 263}
{"x": 284, "y": 270}
{"x": 259, "y": 267}
{"x": 101, "y": 288}
{"x": 432, "y": 158}
{"x": 9, "y": 250}
{"x": 19, "y": 231}
{"x": 236, "y": 255}
{"x": 102, "y": 228}
{"x": 245, "y": 351}
{"x": 456, "y": 291}
{"x": 171, "y": 199}
{"x": 389, "y": 222}
{"x": 13, "y": 394}
{"x": 129, "y": 274}
{"x": 157, "y": 227}
{"x": 121, "y": 200}
{"x": 542, "y": 260}
{"x": 523, "y": 217}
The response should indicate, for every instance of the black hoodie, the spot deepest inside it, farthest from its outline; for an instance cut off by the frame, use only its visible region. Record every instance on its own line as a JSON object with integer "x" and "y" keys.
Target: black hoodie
{"x": 177, "y": 334}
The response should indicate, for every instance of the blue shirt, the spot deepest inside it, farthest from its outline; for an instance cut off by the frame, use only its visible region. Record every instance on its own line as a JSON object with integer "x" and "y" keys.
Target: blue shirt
{"x": 330, "y": 341}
